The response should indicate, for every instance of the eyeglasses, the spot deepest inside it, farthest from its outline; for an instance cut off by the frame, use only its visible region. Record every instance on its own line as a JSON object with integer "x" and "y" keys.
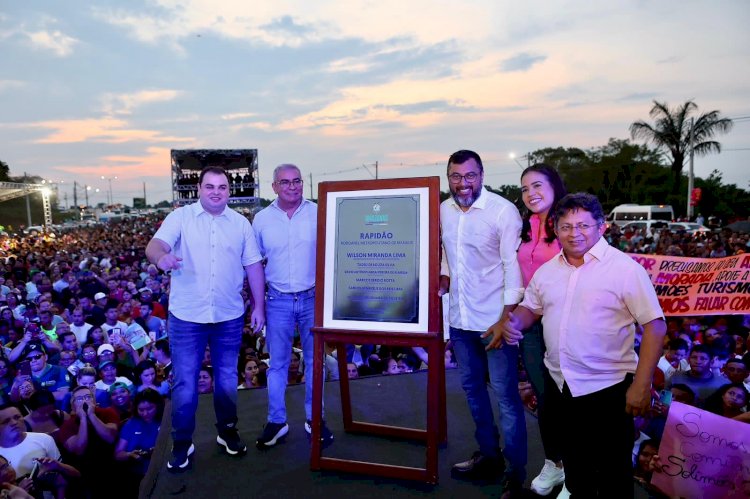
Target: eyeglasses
{"x": 456, "y": 177}
{"x": 33, "y": 357}
{"x": 83, "y": 398}
{"x": 286, "y": 183}
{"x": 582, "y": 227}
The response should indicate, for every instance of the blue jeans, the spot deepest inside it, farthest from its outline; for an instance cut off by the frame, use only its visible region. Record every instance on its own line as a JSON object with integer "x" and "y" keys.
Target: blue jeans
{"x": 501, "y": 366}
{"x": 188, "y": 341}
{"x": 286, "y": 312}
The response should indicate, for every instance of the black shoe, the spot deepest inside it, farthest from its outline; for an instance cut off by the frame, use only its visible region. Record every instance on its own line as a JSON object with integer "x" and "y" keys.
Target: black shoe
{"x": 272, "y": 433}
{"x": 326, "y": 437}
{"x": 230, "y": 439}
{"x": 180, "y": 460}
{"x": 512, "y": 488}
{"x": 479, "y": 467}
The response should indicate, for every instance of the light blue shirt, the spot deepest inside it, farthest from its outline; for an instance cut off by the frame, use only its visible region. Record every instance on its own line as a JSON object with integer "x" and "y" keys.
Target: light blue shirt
{"x": 215, "y": 251}
{"x": 289, "y": 245}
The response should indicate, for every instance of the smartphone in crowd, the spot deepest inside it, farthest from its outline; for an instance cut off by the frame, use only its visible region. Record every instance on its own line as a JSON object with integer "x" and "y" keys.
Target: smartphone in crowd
{"x": 666, "y": 397}
{"x": 34, "y": 471}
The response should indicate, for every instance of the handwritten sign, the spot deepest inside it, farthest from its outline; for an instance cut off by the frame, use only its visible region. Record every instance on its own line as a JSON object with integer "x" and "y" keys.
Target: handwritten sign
{"x": 703, "y": 455}
{"x": 699, "y": 286}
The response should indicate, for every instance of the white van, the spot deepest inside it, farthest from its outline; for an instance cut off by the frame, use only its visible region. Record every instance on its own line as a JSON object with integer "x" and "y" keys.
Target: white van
{"x": 633, "y": 212}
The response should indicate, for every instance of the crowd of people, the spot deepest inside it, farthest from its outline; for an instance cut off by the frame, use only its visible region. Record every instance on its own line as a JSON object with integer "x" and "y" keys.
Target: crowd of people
{"x": 86, "y": 360}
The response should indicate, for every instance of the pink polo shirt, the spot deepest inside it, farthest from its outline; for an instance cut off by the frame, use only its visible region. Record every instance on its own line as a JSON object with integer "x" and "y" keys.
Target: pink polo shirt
{"x": 589, "y": 315}
{"x": 532, "y": 254}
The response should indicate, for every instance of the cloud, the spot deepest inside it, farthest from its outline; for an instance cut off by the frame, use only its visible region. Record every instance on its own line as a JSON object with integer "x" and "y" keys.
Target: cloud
{"x": 55, "y": 41}
{"x": 639, "y": 96}
{"x": 521, "y": 62}
{"x": 669, "y": 60}
{"x": 108, "y": 130}
{"x": 10, "y": 84}
{"x": 427, "y": 106}
{"x": 131, "y": 170}
{"x": 126, "y": 103}
{"x": 237, "y": 116}
{"x": 286, "y": 25}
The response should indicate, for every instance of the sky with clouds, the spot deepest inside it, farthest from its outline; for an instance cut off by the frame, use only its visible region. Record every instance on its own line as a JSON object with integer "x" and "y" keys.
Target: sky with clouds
{"x": 107, "y": 88}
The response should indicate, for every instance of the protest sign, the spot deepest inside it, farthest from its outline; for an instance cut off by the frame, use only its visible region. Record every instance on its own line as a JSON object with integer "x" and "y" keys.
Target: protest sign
{"x": 699, "y": 286}
{"x": 703, "y": 455}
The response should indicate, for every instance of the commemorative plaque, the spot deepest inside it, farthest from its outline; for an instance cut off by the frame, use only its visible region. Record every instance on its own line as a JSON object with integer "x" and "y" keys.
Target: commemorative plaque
{"x": 377, "y": 260}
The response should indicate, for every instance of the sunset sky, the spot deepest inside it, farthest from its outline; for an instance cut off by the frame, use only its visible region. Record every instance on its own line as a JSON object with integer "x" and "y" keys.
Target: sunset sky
{"x": 109, "y": 87}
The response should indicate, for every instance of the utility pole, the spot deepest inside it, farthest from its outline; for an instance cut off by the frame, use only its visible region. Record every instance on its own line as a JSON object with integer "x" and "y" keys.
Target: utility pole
{"x": 144, "y": 195}
{"x": 368, "y": 169}
{"x": 28, "y": 205}
{"x": 690, "y": 174}
{"x": 75, "y": 193}
{"x": 311, "y": 186}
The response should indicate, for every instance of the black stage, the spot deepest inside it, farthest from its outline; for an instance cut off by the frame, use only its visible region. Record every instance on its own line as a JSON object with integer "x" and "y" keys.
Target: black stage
{"x": 284, "y": 470}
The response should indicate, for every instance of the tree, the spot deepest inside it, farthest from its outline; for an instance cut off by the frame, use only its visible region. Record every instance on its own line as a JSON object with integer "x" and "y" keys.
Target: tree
{"x": 671, "y": 131}
{"x": 4, "y": 171}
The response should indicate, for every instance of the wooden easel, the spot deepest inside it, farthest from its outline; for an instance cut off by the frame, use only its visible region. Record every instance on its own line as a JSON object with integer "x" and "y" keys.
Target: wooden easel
{"x": 431, "y": 340}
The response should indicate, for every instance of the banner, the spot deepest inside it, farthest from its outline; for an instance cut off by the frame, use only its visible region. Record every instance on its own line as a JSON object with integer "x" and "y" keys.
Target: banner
{"x": 699, "y": 286}
{"x": 703, "y": 455}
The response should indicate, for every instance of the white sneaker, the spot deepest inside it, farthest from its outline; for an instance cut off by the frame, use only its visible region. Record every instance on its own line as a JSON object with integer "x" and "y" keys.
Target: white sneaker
{"x": 564, "y": 494}
{"x": 550, "y": 477}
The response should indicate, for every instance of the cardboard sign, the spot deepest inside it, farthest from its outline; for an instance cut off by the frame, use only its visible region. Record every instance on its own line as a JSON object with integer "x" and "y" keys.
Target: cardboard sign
{"x": 703, "y": 455}
{"x": 699, "y": 286}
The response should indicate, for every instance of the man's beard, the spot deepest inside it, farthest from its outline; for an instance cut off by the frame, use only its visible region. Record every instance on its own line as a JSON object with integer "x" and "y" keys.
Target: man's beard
{"x": 467, "y": 201}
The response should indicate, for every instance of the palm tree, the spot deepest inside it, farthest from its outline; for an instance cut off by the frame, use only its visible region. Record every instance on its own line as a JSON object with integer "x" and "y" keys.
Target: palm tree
{"x": 671, "y": 131}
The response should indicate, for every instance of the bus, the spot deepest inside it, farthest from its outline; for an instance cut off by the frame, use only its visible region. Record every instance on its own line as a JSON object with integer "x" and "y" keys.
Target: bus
{"x": 625, "y": 213}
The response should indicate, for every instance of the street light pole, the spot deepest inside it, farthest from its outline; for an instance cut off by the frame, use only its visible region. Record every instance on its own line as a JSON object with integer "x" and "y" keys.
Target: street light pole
{"x": 110, "y": 198}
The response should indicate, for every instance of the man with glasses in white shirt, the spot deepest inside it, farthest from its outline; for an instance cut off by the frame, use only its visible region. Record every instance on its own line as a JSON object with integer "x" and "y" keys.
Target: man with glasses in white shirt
{"x": 480, "y": 235}
{"x": 286, "y": 232}
{"x": 590, "y": 298}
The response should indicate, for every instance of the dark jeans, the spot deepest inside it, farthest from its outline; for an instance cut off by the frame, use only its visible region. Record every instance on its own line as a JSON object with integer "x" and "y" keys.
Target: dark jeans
{"x": 597, "y": 440}
{"x": 500, "y": 366}
{"x": 187, "y": 341}
{"x": 532, "y": 353}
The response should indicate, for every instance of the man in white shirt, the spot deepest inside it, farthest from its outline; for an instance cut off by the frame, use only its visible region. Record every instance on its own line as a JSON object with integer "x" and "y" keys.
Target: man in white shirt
{"x": 674, "y": 359}
{"x": 590, "y": 298}
{"x": 286, "y": 233}
{"x": 24, "y": 450}
{"x": 79, "y": 326}
{"x": 480, "y": 236}
{"x": 111, "y": 324}
{"x": 210, "y": 249}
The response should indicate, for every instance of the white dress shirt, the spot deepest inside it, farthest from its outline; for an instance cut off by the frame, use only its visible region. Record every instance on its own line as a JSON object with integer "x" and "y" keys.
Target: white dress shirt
{"x": 589, "y": 315}
{"x": 288, "y": 244}
{"x": 479, "y": 256}
{"x": 215, "y": 251}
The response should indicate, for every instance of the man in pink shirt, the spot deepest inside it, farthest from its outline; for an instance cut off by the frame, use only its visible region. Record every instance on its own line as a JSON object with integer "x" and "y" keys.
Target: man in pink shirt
{"x": 590, "y": 298}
